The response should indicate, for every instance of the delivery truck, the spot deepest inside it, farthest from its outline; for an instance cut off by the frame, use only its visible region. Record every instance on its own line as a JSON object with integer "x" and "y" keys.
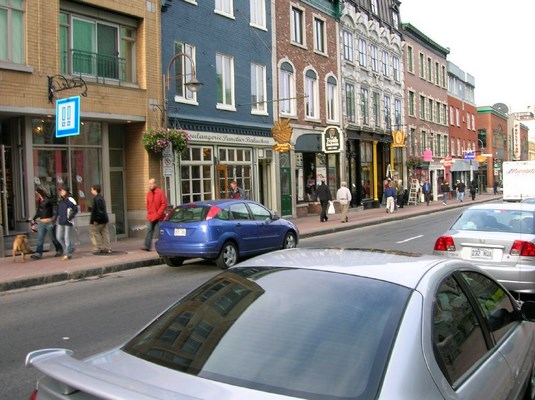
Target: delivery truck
{"x": 518, "y": 180}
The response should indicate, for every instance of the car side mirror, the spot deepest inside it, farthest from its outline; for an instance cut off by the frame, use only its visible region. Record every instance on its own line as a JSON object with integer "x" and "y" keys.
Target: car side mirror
{"x": 527, "y": 309}
{"x": 275, "y": 217}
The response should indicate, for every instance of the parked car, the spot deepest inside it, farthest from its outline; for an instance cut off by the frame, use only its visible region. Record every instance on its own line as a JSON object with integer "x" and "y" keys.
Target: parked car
{"x": 324, "y": 324}
{"x": 498, "y": 237}
{"x": 529, "y": 200}
{"x": 223, "y": 231}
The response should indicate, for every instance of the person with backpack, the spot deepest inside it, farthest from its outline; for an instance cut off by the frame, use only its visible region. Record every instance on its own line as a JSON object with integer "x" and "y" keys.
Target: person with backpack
{"x": 67, "y": 210}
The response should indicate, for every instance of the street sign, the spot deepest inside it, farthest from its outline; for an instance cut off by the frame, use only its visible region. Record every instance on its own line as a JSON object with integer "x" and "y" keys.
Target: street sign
{"x": 447, "y": 162}
{"x": 68, "y": 117}
{"x": 167, "y": 160}
{"x": 469, "y": 155}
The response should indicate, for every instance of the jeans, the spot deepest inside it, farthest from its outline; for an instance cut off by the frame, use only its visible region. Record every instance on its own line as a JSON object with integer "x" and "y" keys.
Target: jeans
{"x": 42, "y": 229}
{"x": 460, "y": 196}
{"x": 65, "y": 238}
{"x": 445, "y": 197}
{"x": 151, "y": 227}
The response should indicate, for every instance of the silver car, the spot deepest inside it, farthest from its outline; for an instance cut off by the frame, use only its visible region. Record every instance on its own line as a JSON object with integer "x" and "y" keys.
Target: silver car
{"x": 323, "y": 324}
{"x": 498, "y": 237}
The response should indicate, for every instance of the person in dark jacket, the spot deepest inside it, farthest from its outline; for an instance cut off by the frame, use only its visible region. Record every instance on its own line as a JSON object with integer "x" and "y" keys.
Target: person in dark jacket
{"x": 67, "y": 210}
{"x": 391, "y": 196}
{"x": 99, "y": 232}
{"x": 473, "y": 189}
{"x": 324, "y": 196}
{"x": 46, "y": 223}
{"x": 445, "y": 189}
{"x": 427, "y": 191}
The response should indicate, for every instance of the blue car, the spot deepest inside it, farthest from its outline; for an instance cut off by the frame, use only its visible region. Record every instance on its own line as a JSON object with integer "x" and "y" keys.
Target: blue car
{"x": 223, "y": 231}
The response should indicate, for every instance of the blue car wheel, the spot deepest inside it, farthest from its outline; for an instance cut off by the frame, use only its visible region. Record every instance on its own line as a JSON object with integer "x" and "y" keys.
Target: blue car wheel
{"x": 290, "y": 241}
{"x": 228, "y": 256}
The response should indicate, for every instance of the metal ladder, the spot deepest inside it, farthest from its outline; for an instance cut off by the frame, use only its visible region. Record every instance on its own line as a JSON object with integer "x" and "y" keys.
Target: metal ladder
{"x": 413, "y": 193}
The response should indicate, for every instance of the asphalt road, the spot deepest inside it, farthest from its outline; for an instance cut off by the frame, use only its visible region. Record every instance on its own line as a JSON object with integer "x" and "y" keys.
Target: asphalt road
{"x": 95, "y": 314}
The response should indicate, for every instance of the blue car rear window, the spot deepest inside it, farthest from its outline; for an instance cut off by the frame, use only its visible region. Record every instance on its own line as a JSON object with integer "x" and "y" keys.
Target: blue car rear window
{"x": 188, "y": 214}
{"x": 302, "y": 333}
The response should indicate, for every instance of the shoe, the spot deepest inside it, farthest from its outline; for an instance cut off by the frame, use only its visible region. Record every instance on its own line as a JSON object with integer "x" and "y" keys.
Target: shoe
{"x": 58, "y": 254}
{"x": 109, "y": 251}
{"x": 443, "y": 203}
{"x": 65, "y": 258}
{"x": 347, "y": 219}
{"x": 145, "y": 249}
{"x": 35, "y": 257}
{"x": 343, "y": 222}
{"x": 96, "y": 253}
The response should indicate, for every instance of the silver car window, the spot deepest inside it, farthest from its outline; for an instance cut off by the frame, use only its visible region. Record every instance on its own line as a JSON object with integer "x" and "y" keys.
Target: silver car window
{"x": 301, "y": 333}
{"x": 496, "y": 220}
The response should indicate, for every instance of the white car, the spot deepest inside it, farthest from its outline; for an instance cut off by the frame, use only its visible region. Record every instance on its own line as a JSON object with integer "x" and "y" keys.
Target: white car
{"x": 319, "y": 324}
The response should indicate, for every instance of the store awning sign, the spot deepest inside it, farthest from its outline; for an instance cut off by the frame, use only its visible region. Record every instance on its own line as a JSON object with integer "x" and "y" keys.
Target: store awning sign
{"x": 68, "y": 117}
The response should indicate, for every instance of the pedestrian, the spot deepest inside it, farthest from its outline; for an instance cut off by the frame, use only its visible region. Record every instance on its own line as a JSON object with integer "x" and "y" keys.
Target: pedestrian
{"x": 324, "y": 196}
{"x": 156, "y": 205}
{"x": 67, "y": 210}
{"x": 427, "y": 191}
{"x": 343, "y": 195}
{"x": 495, "y": 186}
{"x": 386, "y": 182}
{"x": 473, "y": 189}
{"x": 46, "y": 223}
{"x": 236, "y": 192}
{"x": 400, "y": 193}
{"x": 461, "y": 188}
{"x": 445, "y": 189}
{"x": 99, "y": 232}
{"x": 390, "y": 194}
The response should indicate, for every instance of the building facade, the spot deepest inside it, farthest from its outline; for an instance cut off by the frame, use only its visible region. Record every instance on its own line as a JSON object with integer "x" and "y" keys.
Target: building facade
{"x": 372, "y": 96}
{"x": 107, "y": 53}
{"x": 426, "y": 107}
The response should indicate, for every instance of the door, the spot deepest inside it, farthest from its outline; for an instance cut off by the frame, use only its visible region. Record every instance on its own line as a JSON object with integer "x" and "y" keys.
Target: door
{"x": 286, "y": 184}
{"x": 221, "y": 182}
{"x": 118, "y": 204}
{"x": 6, "y": 177}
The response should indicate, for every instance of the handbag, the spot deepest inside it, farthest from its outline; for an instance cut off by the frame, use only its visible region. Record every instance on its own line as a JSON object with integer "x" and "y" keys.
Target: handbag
{"x": 331, "y": 209}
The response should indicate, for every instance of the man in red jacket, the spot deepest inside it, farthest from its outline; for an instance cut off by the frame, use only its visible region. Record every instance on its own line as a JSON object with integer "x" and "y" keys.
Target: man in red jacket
{"x": 156, "y": 205}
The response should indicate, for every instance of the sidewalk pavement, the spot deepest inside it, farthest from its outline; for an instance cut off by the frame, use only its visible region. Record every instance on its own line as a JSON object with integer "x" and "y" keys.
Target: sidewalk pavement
{"x": 127, "y": 253}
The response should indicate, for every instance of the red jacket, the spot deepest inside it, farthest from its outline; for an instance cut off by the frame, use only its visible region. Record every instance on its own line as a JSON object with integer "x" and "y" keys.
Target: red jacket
{"x": 156, "y": 205}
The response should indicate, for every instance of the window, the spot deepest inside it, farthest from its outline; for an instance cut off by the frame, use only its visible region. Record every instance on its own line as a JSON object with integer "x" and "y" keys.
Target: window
{"x": 437, "y": 74}
{"x": 421, "y": 66}
{"x": 297, "y": 26}
{"x": 431, "y": 109}
{"x": 395, "y": 67}
{"x": 364, "y": 110}
{"x": 395, "y": 19}
{"x": 350, "y": 102}
{"x": 287, "y": 89}
{"x": 453, "y": 152}
{"x": 411, "y": 104}
{"x": 258, "y": 13}
{"x": 473, "y": 122}
{"x": 422, "y": 108}
{"x": 373, "y": 56}
{"x": 238, "y": 162}
{"x": 397, "y": 113}
{"x": 224, "y": 7}
{"x": 319, "y": 35}
{"x": 363, "y": 54}
{"x": 452, "y": 116}
{"x": 384, "y": 63}
{"x": 196, "y": 174}
{"x": 225, "y": 81}
{"x": 311, "y": 95}
{"x": 374, "y": 6}
{"x": 183, "y": 71}
{"x": 445, "y": 114}
{"x": 332, "y": 99}
{"x": 437, "y": 113}
{"x": 410, "y": 59}
{"x": 429, "y": 69}
{"x": 444, "y": 76}
{"x": 258, "y": 89}
{"x": 348, "y": 46}
{"x": 12, "y": 36}
{"x": 457, "y": 117}
{"x": 376, "y": 109}
{"x": 96, "y": 48}
{"x": 387, "y": 112}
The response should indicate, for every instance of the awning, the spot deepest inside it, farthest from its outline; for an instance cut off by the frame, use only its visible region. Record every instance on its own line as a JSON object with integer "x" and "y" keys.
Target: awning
{"x": 464, "y": 165}
{"x": 308, "y": 142}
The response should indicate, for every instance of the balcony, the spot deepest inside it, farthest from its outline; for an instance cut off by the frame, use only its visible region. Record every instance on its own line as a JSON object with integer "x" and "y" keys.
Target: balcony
{"x": 99, "y": 66}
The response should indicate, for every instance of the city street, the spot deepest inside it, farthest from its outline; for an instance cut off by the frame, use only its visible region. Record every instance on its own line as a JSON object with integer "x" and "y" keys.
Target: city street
{"x": 94, "y": 314}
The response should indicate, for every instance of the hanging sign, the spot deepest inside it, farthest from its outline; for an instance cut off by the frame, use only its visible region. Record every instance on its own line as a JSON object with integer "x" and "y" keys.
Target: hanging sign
{"x": 68, "y": 117}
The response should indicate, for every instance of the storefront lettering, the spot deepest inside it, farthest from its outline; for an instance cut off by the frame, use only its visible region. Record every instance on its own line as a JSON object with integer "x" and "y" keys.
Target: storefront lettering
{"x": 228, "y": 138}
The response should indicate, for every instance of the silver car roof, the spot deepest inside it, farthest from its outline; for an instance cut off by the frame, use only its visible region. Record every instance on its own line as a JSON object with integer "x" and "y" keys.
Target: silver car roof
{"x": 504, "y": 206}
{"x": 402, "y": 268}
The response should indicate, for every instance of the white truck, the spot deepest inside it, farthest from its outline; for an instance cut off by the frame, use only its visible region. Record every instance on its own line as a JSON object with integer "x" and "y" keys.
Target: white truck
{"x": 518, "y": 180}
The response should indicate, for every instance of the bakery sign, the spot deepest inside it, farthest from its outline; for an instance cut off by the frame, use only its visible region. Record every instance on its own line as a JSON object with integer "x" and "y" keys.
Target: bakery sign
{"x": 332, "y": 140}
{"x": 516, "y": 141}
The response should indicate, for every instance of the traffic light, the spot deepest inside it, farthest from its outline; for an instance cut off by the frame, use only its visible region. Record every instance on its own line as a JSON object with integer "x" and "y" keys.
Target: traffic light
{"x": 496, "y": 163}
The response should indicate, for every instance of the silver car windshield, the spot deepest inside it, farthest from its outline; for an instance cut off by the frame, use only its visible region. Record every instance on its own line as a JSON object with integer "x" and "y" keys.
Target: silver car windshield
{"x": 302, "y": 333}
{"x": 516, "y": 221}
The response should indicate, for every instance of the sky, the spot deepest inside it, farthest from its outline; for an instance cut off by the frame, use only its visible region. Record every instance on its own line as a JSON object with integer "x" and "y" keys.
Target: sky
{"x": 491, "y": 40}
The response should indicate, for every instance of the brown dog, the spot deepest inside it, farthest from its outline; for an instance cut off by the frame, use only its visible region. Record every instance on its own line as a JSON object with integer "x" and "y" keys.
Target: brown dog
{"x": 20, "y": 245}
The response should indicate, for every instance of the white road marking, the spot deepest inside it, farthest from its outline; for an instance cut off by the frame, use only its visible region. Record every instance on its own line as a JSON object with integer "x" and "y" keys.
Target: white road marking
{"x": 409, "y": 239}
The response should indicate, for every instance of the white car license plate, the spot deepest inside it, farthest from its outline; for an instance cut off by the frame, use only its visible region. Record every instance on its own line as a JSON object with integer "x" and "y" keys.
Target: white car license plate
{"x": 180, "y": 232}
{"x": 482, "y": 254}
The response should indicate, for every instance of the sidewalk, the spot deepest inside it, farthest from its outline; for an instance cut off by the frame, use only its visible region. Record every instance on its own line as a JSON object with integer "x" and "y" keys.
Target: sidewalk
{"x": 127, "y": 254}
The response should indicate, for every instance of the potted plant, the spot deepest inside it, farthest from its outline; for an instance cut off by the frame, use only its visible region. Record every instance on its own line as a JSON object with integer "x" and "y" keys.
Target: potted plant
{"x": 156, "y": 140}
{"x": 414, "y": 162}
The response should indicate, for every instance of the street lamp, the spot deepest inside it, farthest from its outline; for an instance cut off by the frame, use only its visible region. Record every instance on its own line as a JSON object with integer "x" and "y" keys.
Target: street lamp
{"x": 192, "y": 84}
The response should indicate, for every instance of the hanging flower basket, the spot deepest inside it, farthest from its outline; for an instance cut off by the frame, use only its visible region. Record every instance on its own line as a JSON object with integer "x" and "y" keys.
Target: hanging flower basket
{"x": 414, "y": 162}
{"x": 157, "y": 140}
